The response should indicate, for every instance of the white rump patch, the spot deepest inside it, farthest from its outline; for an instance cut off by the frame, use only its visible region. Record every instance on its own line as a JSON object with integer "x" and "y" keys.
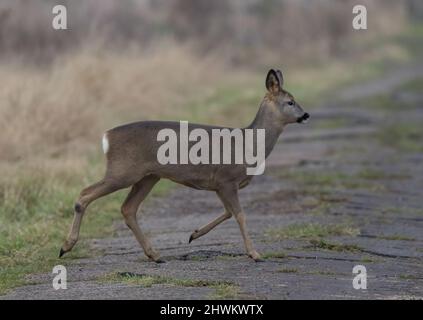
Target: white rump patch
{"x": 105, "y": 143}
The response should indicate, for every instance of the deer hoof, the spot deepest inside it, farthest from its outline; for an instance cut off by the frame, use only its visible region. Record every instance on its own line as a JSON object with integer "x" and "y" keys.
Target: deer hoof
{"x": 192, "y": 236}
{"x": 159, "y": 261}
{"x": 62, "y": 252}
{"x": 255, "y": 256}
{"x": 154, "y": 256}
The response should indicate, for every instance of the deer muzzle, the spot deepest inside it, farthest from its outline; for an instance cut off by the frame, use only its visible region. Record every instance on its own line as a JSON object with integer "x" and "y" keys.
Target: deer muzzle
{"x": 304, "y": 118}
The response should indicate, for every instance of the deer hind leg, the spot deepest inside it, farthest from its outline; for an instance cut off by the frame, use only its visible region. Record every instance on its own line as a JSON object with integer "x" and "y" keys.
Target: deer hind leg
{"x": 87, "y": 196}
{"x": 206, "y": 228}
{"x": 138, "y": 193}
{"x": 229, "y": 198}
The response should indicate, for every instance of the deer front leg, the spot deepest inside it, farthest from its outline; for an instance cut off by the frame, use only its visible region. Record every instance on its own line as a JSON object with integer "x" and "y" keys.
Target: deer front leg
{"x": 229, "y": 198}
{"x": 206, "y": 228}
{"x": 240, "y": 218}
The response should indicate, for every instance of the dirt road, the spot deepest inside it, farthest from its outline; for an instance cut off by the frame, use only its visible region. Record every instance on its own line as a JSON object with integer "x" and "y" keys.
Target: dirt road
{"x": 336, "y": 194}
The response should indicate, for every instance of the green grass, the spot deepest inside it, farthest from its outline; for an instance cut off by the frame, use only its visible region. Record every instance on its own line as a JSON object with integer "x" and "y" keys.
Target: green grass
{"x": 376, "y": 174}
{"x": 339, "y": 247}
{"x": 402, "y": 136}
{"x": 162, "y": 188}
{"x": 402, "y": 211}
{"x": 381, "y": 102}
{"x": 325, "y": 181}
{"x": 310, "y": 230}
{"x": 406, "y": 137}
{"x": 325, "y": 202}
{"x": 131, "y": 279}
{"x": 321, "y": 209}
{"x": 33, "y": 221}
{"x": 389, "y": 102}
{"x": 150, "y": 280}
{"x": 396, "y": 237}
{"x": 317, "y": 272}
{"x": 288, "y": 270}
{"x": 222, "y": 289}
{"x": 324, "y": 273}
{"x": 415, "y": 85}
{"x": 411, "y": 39}
{"x": 409, "y": 277}
{"x": 368, "y": 260}
{"x": 36, "y": 211}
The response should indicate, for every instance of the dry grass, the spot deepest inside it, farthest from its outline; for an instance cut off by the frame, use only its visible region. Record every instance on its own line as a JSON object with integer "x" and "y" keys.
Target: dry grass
{"x": 65, "y": 107}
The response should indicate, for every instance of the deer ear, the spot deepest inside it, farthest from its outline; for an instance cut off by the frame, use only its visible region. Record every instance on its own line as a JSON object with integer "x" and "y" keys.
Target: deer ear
{"x": 272, "y": 81}
{"x": 280, "y": 77}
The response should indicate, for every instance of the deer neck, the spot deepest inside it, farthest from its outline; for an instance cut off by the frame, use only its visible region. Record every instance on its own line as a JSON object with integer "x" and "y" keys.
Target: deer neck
{"x": 265, "y": 119}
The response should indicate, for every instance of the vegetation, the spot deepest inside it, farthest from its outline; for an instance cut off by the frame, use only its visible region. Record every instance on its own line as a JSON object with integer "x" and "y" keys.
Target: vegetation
{"x": 325, "y": 245}
{"x": 222, "y": 289}
{"x": 311, "y": 230}
{"x": 273, "y": 255}
{"x": 318, "y": 181}
{"x": 288, "y": 270}
{"x": 403, "y": 137}
{"x": 35, "y": 214}
{"x": 396, "y": 237}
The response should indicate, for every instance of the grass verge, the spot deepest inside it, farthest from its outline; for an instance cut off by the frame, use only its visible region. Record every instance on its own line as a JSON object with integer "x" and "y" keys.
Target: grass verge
{"x": 222, "y": 289}
{"x": 339, "y": 247}
{"x": 36, "y": 211}
{"x": 310, "y": 230}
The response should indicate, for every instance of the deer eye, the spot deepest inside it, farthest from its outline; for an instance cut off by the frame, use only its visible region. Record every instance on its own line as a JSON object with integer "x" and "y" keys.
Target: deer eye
{"x": 291, "y": 103}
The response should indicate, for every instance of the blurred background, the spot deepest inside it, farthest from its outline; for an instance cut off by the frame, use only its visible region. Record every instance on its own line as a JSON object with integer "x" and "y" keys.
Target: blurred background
{"x": 121, "y": 61}
{"x": 139, "y": 59}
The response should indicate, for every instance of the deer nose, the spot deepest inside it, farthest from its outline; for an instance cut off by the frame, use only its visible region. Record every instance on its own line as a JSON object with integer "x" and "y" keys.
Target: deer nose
{"x": 303, "y": 118}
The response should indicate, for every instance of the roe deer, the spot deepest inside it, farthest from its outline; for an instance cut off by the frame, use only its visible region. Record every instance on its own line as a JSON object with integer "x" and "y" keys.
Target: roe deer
{"x": 131, "y": 152}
